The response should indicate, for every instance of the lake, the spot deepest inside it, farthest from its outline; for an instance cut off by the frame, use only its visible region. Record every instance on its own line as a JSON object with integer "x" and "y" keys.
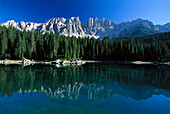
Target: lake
{"x": 96, "y": 88}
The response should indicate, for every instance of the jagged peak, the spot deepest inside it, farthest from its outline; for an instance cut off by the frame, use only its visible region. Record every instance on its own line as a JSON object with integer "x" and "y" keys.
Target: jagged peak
{"x": 167, "y": 24}
{"x": 96, "y": 19}
{"x": 102, "y": 19}
{"x": 94, "y": 27}
{"x": 141, "y": 20}
{"x": 63, "y": 19}
{"x": 22, "y": 22}
{"x": 10, "y": 21}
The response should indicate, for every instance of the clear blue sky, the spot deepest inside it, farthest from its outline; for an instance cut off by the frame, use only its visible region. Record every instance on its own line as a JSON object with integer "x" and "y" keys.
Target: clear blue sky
{"x": 157, "y": 11}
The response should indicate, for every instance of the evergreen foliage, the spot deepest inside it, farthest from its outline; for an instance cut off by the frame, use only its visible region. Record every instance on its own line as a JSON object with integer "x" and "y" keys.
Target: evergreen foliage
{"x": 15, "y": 44}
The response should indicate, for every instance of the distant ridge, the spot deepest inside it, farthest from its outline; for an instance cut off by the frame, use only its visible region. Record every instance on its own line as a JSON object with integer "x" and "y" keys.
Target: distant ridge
{"x": 92, "y": 28}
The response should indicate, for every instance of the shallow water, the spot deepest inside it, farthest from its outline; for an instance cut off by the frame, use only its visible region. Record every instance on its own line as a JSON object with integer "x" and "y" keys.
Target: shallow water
{"x": 91, "y": 88}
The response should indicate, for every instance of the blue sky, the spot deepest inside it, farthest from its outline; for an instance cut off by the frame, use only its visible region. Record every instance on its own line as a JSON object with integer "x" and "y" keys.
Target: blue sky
{"x": 157, "y": 11}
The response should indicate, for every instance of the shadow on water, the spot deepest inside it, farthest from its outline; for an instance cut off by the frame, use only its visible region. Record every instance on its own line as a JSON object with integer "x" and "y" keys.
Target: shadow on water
{"x": 96, "y": 81}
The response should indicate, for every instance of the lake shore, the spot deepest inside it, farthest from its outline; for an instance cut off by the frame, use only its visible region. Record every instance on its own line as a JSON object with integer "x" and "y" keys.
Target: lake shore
{"x": 139, "y": 62}
{"x": 84, "y": 62}
{"x": 44, "y": 62}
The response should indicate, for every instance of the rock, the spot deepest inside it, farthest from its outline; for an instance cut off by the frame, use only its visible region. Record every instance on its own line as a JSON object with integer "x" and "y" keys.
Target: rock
{"x": 92, "y": 28}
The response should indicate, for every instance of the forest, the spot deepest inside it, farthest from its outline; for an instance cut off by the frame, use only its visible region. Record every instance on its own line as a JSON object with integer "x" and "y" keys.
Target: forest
{"x": 15, "y": 44}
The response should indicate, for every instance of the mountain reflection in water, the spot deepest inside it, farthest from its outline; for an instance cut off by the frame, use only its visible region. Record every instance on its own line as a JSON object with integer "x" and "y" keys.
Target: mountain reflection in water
{"x": 96, "y": 81}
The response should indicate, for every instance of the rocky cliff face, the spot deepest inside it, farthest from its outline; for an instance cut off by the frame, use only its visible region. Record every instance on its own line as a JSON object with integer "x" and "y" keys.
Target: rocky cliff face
{"x": 92, "y": 28}
{"x": 68, "y": 27}
{"x": 128, "y": 28}
{"x": 163, "y": 28}
{"x": 98, "y": 28}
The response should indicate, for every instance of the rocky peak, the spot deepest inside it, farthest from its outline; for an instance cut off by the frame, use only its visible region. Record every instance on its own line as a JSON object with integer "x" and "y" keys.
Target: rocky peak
{"x": 9, "y": 23}
{"x": 94, "y": 27}
{"x": 163, "y": 28}
{"x": 98, "y": 28}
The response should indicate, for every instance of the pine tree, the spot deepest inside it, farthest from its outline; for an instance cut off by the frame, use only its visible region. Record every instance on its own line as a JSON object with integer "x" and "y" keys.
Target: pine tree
{"x": 3, "y": 44}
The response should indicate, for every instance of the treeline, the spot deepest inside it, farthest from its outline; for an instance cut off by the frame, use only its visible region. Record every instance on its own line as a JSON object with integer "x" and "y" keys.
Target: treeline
{"x": 15, "y": 44}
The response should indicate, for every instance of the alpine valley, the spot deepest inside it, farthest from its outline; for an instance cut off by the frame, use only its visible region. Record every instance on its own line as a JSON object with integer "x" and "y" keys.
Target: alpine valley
{"x": 97, "y": 28}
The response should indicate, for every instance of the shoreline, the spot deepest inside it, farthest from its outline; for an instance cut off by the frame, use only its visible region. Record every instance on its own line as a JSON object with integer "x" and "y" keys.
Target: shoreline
{"x": 139, "y": 62}
{"x": 81, "y": 62}
{"x": 85, "y": 61}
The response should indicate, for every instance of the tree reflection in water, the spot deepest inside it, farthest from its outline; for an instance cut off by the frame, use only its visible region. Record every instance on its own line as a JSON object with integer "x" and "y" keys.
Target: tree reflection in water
{"x": 93, "y": 80}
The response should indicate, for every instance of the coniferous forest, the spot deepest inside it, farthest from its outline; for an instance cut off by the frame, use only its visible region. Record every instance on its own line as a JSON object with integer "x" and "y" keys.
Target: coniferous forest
{"x": 15, "y": 44}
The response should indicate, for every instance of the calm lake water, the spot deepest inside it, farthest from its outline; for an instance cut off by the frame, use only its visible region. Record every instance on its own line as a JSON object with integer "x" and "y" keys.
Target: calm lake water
{"x": 88, "y": 89}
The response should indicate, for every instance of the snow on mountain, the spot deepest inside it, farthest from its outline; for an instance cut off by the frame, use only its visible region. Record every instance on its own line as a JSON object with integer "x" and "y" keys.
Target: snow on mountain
{"x": 92, "y": 28}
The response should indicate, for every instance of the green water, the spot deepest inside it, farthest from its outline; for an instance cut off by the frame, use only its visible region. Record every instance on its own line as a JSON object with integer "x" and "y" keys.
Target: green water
{"x": 87, "y": 89}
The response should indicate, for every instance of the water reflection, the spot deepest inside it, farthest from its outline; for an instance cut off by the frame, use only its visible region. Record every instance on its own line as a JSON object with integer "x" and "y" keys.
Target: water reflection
{"x": 93, "y": 80}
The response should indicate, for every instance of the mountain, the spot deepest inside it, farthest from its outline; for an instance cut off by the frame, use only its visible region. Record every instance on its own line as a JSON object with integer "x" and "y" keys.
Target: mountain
{"x": 92, "y": 28}
{"x": 68, "y": 27}
{"x": 164, "y": 28}
{"x": 98, "y": 28}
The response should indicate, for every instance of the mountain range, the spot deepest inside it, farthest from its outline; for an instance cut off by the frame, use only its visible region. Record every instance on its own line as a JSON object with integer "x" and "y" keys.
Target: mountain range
{"x": 97, "y": 28}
